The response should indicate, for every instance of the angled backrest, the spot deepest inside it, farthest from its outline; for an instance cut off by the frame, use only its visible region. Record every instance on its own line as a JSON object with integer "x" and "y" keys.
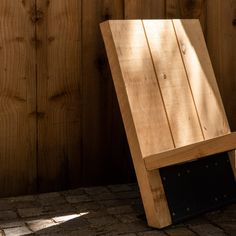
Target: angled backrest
{"x": 166, "y": 76}
{"x": 171, "y": 109}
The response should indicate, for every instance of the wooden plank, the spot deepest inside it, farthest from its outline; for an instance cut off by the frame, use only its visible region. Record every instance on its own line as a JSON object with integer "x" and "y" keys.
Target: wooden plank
{"x": 172, "y": 9}
{"x": 214, "y": 38}
{"x": 148, "y": 9}
{"x": 104, "y": 141}
{"x": 201, "y": 78}
{"x": 232, "y": 157}
{"x": 142, "y": 88}
{"x": 136, "y": 86}
{"x": 221, "y": 38}
{"x": 221, "y": 44}
{"x": 17, "y": 99}
{"x": 191, "y": 152}
{"x": 171, "y": 76}
{"x": 185, "y": 9}
{"x": 59, "y": 93}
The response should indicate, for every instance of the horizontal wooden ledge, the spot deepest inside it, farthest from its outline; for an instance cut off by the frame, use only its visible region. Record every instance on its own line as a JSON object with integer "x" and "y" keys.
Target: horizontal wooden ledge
{"x": 190, "y": 152}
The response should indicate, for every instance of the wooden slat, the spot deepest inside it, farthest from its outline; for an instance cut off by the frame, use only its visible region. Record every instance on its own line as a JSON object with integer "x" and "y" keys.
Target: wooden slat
{"x": 142, "y": 108}
{"x": 232, "y": 157}
{"x": 142, "y": 88}
{"x": 103, "y": 138}
{"x": 17, "y": 99}
{"x": 140, "y": 9}
{"x": 171, "y": 74}
{"x": 221, "y": 39}
{"x": 201, "y": 78}
{"x": 185, "y": 9}
{"x": 59, "y": 93}
{"x": 191, "y": 152}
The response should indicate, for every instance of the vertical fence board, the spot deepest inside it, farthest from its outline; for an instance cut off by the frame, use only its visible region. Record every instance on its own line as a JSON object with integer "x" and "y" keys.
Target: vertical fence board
{"x": 148, "y": 9}
{"x": 17, "y": 99}
{"x": 58, "y": 93}
{"x": 76, "y": 119}
{"x": 104, "y": 142}
{"x": 185, "y": 9}
{"x": 221, "y": 37}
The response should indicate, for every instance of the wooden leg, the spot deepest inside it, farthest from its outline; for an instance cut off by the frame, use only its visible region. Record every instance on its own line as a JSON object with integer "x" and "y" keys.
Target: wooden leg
{"x": 232, "y": 156}
{"x": 161, "y": 208}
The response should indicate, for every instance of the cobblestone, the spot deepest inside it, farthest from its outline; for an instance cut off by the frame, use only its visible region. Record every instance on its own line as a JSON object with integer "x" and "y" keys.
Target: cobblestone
{"x": 12, "y": 224}
{"x": 152, "y": 233}
{"x": 30, "y": 212}
{"x": 208, "y": 229}
{"x": 36, "y": 225}
{"x": 120, "y": 188}
{"x": 111, "y": 210}
{"x": 78, "y": 199}
{"x": 17, "y": 231}
{"x": 8, "y": 215}
{"x": 120, "y": 210}
{"x": 180, "y": 231}
{"x": 128, "y": 218}
{"x": 103, "y": 221}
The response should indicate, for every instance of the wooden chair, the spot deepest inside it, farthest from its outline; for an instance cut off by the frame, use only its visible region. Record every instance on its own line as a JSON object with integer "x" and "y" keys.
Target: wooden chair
{"x": 172, "y": 113}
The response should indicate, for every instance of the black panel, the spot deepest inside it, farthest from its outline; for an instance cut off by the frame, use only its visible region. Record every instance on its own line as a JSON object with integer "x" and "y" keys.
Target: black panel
{"x": 199, "y": 186}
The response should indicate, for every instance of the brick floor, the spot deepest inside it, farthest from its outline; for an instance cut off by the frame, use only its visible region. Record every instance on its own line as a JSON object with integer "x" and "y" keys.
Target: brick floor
{"x": 111, "y": 210}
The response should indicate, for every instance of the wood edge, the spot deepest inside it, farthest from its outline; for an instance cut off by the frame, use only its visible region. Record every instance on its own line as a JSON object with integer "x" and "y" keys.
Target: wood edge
{"x": 157, "y": 212}
{"x": 160, "y": 160}
{"x": 232, "y": 158}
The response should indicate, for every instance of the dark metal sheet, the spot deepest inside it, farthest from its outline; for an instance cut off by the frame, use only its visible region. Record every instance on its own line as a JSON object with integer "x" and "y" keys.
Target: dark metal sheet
{"x": 199, "y": 186}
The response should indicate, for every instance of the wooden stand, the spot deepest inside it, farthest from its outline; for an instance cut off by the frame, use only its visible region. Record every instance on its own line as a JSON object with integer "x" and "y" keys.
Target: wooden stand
{"x": 169, "y": 100}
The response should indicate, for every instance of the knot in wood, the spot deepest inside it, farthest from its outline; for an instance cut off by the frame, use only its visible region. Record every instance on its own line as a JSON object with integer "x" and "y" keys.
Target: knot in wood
{"x": 183, "y": 48}
{"x": 37, "y": 16}
{"x": 234, "y": 22}
{"x": 163, "y": 76}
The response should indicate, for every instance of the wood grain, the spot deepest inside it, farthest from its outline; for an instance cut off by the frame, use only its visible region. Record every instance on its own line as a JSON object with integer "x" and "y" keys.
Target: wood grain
{"x": 59, "y": 93}
{"x": 17, "y": 99}
{"x": 136, "y": 86}
{"x": 140, "y": 9}
{"x": 171, "y": 75}
{"x": 201, "y": 78}
{"x": 192, "y": 152}
{"x": 185, "y": 9}
{"x": 57, "y": 45}
{"x": 169, "y": 99}
{"x": 221, "y": 38}
{"x": 103, "y": 139}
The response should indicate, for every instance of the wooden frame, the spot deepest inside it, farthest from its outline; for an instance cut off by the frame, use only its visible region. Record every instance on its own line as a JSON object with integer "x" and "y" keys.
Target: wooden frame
{"x": 169, "y": 100}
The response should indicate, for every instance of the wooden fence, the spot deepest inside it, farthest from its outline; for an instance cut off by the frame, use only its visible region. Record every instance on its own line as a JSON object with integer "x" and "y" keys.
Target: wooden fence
{"x": 60, "y": 124}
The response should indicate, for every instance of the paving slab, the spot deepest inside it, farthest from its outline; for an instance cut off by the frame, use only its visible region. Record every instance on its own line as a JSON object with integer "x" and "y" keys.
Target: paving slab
{"x": 106, "y": 210}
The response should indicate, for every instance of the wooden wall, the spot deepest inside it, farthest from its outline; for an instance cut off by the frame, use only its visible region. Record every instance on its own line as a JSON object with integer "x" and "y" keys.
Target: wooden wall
{"x": 60, "y": 124}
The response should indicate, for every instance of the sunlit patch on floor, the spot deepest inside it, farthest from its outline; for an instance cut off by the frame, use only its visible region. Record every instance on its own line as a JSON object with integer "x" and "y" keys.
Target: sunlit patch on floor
{"x": 41, "y": 224}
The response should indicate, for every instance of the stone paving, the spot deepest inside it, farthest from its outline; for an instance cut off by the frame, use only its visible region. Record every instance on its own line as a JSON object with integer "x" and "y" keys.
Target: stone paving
{"x": 110, "y": 210}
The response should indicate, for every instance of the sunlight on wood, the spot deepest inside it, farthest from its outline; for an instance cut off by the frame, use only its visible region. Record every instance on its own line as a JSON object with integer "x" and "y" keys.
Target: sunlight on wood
{"x": 201, "y": 78}
{"x": 176, "y": 93}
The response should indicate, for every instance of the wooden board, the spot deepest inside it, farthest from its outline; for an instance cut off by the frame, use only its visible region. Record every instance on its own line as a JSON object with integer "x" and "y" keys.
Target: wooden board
{"x": 217, "y": 19}
{"x": 140, "y": 9}
{"x": 17, "y": 99}
{"x": 105, "y": 152}
{"x": 221, "y": 36}
{"x": 185, "y": 9}
{"x": 136, "y": 85}
{"x": 201, "y": 78}
{"x": 171, "y": 75}
{"x": 59, "y": 94}
{"x": 193, "y": 151}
